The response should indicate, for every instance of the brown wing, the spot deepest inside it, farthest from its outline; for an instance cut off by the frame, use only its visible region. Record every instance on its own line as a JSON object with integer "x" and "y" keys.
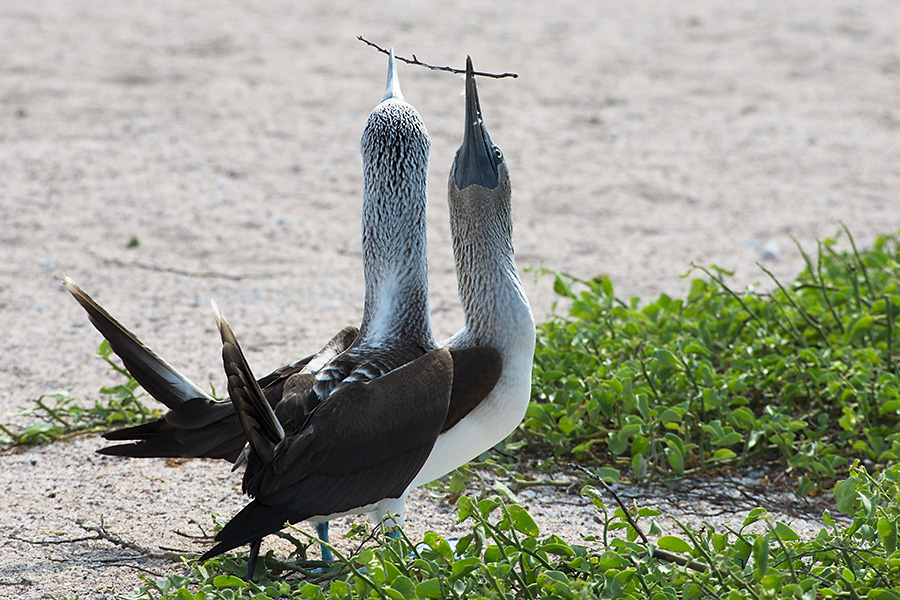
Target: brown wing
{"x": 476, "y": 371}
{"x": 363, "y": 444}
{"x": 254, "y": 412}
{"x": 161, "y": 380}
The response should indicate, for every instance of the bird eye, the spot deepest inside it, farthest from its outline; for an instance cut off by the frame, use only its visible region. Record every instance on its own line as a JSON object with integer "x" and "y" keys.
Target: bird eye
{"x": 498, "y": 153}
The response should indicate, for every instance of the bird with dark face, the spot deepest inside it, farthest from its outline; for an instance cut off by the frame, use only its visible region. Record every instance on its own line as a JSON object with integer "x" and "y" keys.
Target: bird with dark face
{"x": 493, "y": 352}
{"x": 345, "y": 430}
{"x": 491, "y": 396}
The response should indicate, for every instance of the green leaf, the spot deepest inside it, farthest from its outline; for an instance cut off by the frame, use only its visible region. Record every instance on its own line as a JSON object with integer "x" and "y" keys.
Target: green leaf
{"x": 430, "y": 588}
{"x": 561, "y": 288}
{"x": 464, "y": 566}
{"x": 676, "y": 460}
{"x": 311, "y": 591}
{"x": 400, "y": 587}
{"x": 438, "y": 544}
{"x": 761, "y": 554}
{"x": 522, "y": 521}
{"x": 670, "y": 416}
{"x": 228, "y": 581}
{"x": 606, "y": 285}
{"x": 607, "y": 474}
{"x": 845, "y": 495}
{"x": 784, "y": 532}
{"x": 673, "y": 544}
{"x": 755, "y": 515}
{"x": 723, "y": 454}
{"x": 464, "y": 506}
{"x": 557, "y": 548}
{"x": 666, "y": 357}
{"x": 488, "y": 505}
{"x": 887, "y": 532}
{"x": 504, "y": 491}
{"x": 863, "y": 323}
{"x": 695, "y": 348}
{"x": 729, "y": 439}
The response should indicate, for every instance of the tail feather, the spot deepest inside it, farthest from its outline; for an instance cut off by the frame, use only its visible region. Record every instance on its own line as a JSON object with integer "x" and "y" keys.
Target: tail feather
{"x": 196, "y": 429}
{"x": 160, "y": 379}
{"x": 262, "y": 428}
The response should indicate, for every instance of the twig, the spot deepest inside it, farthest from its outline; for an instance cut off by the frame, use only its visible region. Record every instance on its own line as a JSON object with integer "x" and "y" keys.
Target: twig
{"x": 100, "y": 533}
{"x": 657, "y": 553}
{"x": 52, "y": 542}
{"x": 615, "y": 496}
{"x": 416, "y": 61}
{"x": 204, "y": 535}
{"x": 103, "y": 534}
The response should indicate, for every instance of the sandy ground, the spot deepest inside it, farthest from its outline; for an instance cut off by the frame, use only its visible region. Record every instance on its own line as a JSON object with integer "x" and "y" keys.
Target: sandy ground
{"x": 641, "y": 136}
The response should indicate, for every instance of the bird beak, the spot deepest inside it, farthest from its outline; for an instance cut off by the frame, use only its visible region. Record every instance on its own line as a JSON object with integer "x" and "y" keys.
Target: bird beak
{"x": 392, "y": 89}
{"x": 476, "y": 163}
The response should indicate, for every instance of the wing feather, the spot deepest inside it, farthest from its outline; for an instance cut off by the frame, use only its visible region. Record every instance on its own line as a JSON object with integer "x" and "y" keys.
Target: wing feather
{"x": 363, "y": 444}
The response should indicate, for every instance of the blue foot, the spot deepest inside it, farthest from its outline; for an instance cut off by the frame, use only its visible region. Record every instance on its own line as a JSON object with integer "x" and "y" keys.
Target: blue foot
{"x": 322, "y": 532}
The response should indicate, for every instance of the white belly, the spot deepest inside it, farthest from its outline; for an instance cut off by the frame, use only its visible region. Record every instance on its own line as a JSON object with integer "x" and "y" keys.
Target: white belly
{"x": 483, "y": 428}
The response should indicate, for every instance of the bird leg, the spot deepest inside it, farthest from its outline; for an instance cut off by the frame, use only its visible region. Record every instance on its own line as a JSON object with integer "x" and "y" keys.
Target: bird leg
{"x": 322, "y": 532}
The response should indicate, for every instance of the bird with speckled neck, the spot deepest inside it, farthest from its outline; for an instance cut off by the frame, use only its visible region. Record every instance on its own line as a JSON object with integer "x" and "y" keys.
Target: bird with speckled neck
{"x": 350, "y": 436}
{"x": 345, "y": 430}
{"x": 491, "y": 355}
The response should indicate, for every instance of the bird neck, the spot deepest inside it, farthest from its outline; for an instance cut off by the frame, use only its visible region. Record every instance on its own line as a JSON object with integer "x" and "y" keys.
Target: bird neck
{"x": 394, "y": 242}
{"x": 496, "y": 309}
{"x": 395, "y": 149}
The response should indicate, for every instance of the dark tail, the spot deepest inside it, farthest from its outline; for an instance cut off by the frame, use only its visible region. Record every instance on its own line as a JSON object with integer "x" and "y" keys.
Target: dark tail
{"x": 199, "y": 428}
{"x": 253, "y": 522}
{"x": 159, "y": 378}
{"x": 261, "y": 426}
{"x": 196, "y": 426}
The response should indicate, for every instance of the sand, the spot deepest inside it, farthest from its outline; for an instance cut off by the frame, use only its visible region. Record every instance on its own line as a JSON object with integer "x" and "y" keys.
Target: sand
{"x": 224, "y": 139}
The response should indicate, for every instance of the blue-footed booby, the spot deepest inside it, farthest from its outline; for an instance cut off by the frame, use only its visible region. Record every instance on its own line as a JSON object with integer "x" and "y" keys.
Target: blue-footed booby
{"x": 350, "y": 436}
{"x": 497, "y": 312}
{"x": 494, "y": 351}
{"x": 352, "y": 424}
{"x": 491, "y": 355}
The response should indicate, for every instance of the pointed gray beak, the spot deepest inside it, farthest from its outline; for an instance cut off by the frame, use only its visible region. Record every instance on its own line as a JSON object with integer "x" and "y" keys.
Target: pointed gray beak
{"x": 476, "y": 161}
{"x": 392, "y": 89}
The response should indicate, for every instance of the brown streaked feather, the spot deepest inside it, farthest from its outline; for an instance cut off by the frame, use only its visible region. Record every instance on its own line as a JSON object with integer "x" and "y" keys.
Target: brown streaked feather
{"x": 161, "y": 380}
{"x": 197, "y": 425}
{"x": 198, "y": 428}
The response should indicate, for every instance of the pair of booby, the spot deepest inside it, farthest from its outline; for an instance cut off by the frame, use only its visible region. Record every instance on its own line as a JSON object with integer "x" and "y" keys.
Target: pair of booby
{"x": 382, "y": 409}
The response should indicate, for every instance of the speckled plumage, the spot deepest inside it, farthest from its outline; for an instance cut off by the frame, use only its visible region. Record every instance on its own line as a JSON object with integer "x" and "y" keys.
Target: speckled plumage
{"x": 396, "y": 325}
{"x": 345, "y": 430}
{"x": 378, "y": 406}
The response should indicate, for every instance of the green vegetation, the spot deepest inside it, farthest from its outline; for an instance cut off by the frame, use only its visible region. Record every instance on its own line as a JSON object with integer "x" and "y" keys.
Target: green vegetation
{"x": 805, "y": 377}
{"x": 504, "y": 556}
{"x": 57, "y": 415}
